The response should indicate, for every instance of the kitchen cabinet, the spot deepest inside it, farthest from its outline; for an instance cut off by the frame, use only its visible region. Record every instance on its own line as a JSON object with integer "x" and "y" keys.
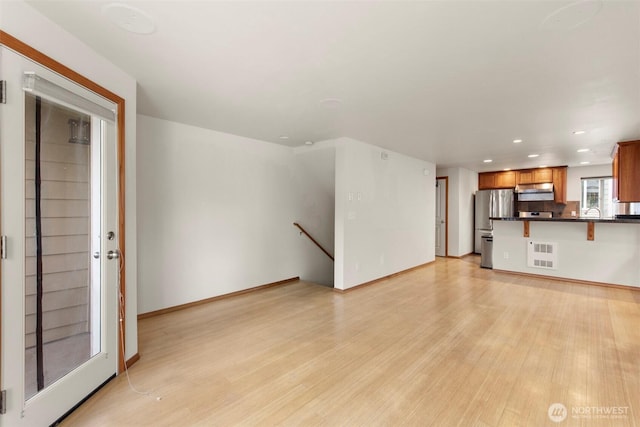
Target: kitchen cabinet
{"x": 615, "y": 172}
{"x": 496, "y": 180}
{"x": 626, "y": 171}
{"x": 486, "y": 180}
{"x": 535, "y": 176}
{"x": 505, "y": 179}
{"x": 559, "y": 176}
{"x": 525, "y": 176}
{"x": 509, "y": 179}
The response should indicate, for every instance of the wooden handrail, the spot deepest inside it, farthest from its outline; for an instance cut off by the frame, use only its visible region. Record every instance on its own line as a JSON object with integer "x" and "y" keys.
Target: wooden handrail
{"x": 302, "y": 230}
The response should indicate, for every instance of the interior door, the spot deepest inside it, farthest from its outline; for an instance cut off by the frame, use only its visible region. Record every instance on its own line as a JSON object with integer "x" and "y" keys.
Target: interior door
{"x": 59, "y": 217}
{"x": 441, "y": 217}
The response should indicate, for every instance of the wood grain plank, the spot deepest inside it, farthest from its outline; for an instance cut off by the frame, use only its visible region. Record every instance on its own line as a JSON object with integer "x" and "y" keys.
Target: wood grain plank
{"x": 59, "y": 227}
{"x": 58, "y": 245}
{"x": 59, "y": 281}
{"x": 58, "y": 263}
{"x": 52, "y": 301}
{"x": 55, "y": 334}
{"x": 449, "y": 344}
{"x": 59, "y": 190}
{"x": 60, "y": 209}
{"x": 58, "y": 318}
{"x": 58, "y": 171}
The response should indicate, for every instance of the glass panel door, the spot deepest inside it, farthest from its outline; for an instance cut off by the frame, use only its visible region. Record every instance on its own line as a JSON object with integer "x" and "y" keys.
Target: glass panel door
{"x": 63, "y": 216}
{"x": 59, "y": 213}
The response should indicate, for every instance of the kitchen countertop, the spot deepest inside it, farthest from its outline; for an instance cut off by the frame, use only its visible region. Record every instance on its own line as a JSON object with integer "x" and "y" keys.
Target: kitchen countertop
{"x": 588, "y": 251}
{"x": 576, "y": 219}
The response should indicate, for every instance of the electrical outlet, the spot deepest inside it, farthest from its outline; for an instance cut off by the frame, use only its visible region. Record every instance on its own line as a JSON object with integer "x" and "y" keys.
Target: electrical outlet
{"x": 506, "y": 255}
{"x": 573, "y": 213}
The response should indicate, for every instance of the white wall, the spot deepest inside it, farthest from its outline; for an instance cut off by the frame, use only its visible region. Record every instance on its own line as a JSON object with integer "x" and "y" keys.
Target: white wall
{"x": 575, "y": 174}
{"x": 315, "y": 181}
{"x": 385, "y": 213}
{"x": 463, "y": 184}
{"x": 611, "y": 258}
{"x": 29, "y": 26}
{"x": 468, "y": 184}
{"x": 216, "y": 214}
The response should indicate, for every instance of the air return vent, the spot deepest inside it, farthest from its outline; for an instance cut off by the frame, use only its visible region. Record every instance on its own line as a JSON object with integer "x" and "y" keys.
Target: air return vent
{"x": 542, "y": 255}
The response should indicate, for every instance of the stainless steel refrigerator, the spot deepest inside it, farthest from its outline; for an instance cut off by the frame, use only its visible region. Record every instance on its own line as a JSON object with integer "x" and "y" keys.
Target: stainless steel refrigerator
{"x": 491, "y": 203}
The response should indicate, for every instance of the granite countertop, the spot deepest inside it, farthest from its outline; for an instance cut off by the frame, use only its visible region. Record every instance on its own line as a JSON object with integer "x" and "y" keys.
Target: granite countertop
{"x": 576, "y": 219}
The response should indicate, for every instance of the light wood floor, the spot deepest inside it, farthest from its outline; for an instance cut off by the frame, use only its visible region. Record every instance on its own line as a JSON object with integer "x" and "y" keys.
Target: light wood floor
{"x": 449, "y": 344}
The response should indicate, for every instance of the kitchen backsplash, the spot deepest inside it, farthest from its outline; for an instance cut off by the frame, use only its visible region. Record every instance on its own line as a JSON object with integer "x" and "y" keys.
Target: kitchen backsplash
{"x": 559, "y": 210}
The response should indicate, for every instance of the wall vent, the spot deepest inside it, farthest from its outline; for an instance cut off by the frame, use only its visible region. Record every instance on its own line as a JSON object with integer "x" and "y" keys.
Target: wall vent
{"x": 542, "y": 255}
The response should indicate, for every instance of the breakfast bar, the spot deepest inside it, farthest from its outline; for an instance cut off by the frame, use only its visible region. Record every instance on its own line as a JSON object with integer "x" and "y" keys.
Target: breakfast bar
{"x": 605, "y": 251}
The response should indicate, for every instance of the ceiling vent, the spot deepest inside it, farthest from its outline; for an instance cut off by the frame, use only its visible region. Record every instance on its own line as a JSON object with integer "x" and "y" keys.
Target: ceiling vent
{"x": 129, "y": 18}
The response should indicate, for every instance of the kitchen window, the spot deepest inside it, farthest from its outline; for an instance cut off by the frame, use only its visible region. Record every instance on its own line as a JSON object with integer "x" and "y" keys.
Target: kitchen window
{"x": 597, "y": 197}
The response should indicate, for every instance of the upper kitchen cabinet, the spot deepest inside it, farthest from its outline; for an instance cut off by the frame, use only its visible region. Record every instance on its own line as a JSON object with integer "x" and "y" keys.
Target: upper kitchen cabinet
{"x": 505, "y": 179}
{"x": 560, "y": 184}
{"x": 535, "y": 176}
{"x": 558, "y": 176}
{"x": 626, "y": 172}
{"x": 486, "y": 180}
{"x": 496, "y": 180}
{"x": 509, "y": 179}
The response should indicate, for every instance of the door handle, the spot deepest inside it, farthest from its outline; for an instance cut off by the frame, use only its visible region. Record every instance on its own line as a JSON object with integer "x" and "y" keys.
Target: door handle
{"x": 113, "y": 254}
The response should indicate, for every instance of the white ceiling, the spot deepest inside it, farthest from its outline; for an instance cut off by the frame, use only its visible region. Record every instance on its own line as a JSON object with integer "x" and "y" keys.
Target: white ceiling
{"x": 452, "y": 82}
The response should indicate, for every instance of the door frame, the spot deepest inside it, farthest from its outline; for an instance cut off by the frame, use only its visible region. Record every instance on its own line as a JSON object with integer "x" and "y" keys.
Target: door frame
{"x": 46, "y": 61}
{"x": 446, "y": 213}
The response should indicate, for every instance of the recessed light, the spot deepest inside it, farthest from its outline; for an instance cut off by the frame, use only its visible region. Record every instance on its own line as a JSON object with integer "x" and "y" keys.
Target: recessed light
{"x": 542, "y": 166}
{"x": 331, "y": 102}
{"x": 531, "y": 156}
{"x": 308, "y": 143}
{"x": 579, "y": 132}
{"x": 517, "y": 141}
{"x": 506, "y": 169}
{"x": 129, "y": 18}
{"x": 284, "y": 137}
{"x": 584, "y": 163}
{"x": 583, "y": 150}
{"x": 572, "y": 15}
{"x": 487, "y": 160}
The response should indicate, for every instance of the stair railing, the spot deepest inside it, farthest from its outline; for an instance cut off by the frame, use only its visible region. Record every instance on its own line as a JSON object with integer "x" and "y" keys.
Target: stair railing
{"x": 302, "y": 230}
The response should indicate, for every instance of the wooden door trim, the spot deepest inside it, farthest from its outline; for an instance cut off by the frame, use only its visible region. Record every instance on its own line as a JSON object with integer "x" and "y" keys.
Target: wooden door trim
{"x": 27, "y": 51}
{"x": 446, "y": 213}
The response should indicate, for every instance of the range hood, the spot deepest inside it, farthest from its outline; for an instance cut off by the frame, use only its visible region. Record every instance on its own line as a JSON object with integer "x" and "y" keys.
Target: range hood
{"x": 535, "y": 192}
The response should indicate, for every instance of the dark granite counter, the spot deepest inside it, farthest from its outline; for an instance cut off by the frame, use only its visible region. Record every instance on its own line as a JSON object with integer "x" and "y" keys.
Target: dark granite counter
{"x": 576, "y": 219}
